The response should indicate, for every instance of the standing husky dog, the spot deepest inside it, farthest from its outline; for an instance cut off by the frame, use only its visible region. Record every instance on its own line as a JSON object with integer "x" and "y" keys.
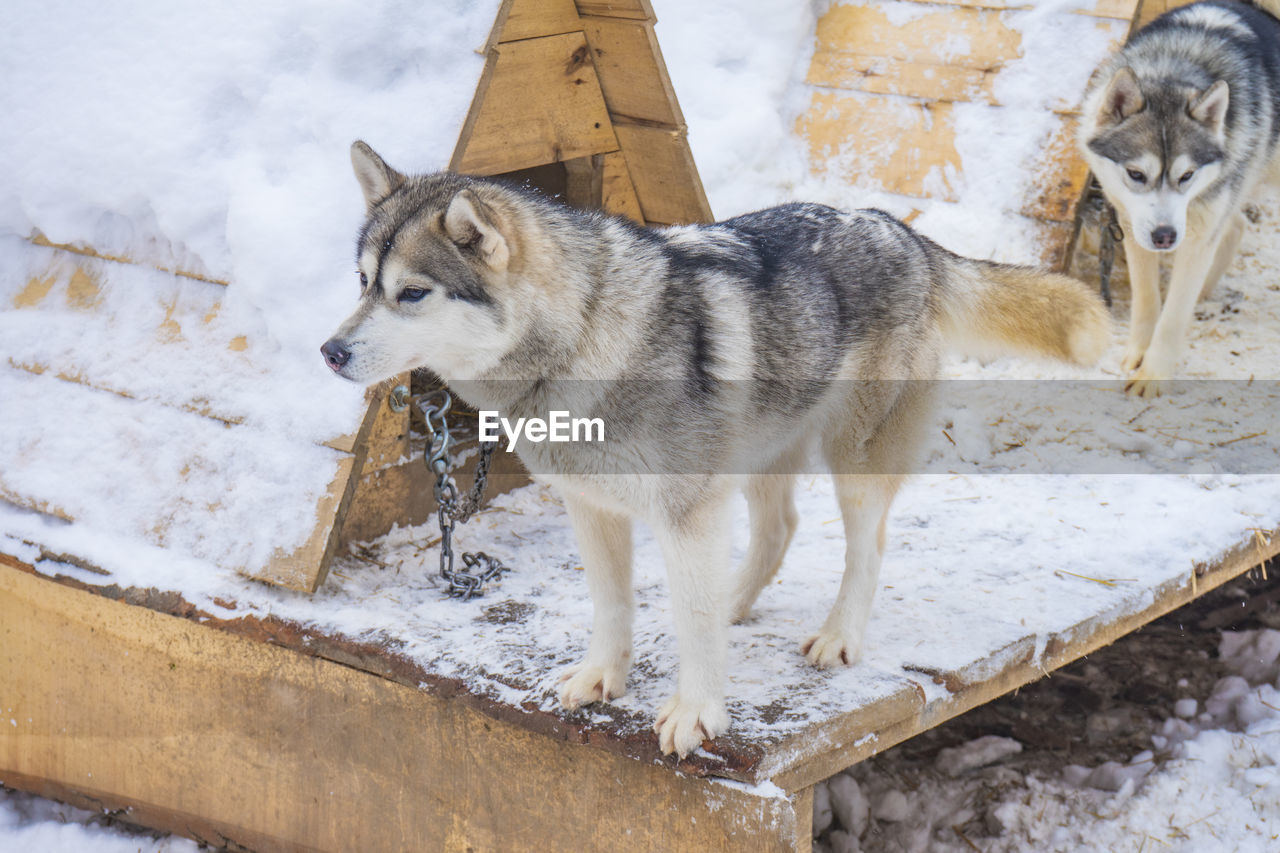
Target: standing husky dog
{"x": 506, "y": 294}
{"x": 1180, "y": 127}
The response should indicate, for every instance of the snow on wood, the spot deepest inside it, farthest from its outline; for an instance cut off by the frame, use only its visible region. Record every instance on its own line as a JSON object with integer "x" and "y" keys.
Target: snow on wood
{"x": 998, "y": 564}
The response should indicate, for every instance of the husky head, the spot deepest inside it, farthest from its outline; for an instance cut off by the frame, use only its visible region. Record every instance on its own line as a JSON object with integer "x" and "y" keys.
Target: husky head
{"x": 435, "y": 261}
{"x": 1155, "y": 151}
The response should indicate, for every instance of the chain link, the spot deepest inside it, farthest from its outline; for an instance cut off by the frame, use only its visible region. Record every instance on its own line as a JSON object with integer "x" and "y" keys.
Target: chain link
{"x": 1111, "y": 234}
{"x": 451, "y": 509}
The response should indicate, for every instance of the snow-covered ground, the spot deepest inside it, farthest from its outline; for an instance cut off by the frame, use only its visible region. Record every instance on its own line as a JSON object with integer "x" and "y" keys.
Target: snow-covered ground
{"x": 736, "y": 68}
{"x": 1205, "y": 777}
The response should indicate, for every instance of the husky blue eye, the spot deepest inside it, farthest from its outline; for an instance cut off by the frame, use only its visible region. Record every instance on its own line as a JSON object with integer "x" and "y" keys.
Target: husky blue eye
{"x": 412, "y": 294}
{"x": 1136, "y": 176}
{"x": 1187, "y": 176}
{"x": 364, "y": 281}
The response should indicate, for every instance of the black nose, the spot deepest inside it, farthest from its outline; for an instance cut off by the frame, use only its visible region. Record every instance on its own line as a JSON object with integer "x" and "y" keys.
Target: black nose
{"x": 335, "y": 354}
{"x": 1164, "y": 237}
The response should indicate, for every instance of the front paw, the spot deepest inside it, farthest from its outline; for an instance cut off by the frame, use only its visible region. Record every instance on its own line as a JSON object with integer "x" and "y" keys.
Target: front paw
{"x": 682, "y": 726}
{"x": 1153, "y": 376}
{"x": 585, "y": 682}
{"x": 832, "y": 648}
{"x": 1133, "y": 357}
{"x": 1145, "y": 388}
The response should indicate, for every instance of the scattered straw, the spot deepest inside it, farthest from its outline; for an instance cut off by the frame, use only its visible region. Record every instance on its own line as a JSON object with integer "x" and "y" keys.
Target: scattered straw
{"x": 1140, "y": 414}
{"x": 364, "y": 558}
{"x": 1103, "y": 581}
{"x": 960, "y": 832}
{"x": 1240, "y": 438}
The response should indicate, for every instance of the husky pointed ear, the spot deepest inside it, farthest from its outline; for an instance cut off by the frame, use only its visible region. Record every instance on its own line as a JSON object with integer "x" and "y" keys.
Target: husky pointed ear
{"x": 1121, "y": 99}
{"x": 1210, "y": 106}
{"x": 377, "y": 179}
{"x": 473, "y": 226}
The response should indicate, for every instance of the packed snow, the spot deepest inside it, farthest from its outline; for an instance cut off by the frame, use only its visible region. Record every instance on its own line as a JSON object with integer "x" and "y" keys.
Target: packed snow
{"x": 246, "y": 179}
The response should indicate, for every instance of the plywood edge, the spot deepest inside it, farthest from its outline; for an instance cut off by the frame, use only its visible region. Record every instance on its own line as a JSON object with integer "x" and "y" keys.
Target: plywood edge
{"x": 306, "y": 567}
{"x": 663, "y": 173}
{"x": 633, "y": 10}
{"x": 166, "y": 710}
{"x": 1120, "y": 9}
{"x": 1060, "y": 649}
{"x": 38, "y": 239}
{"x": 823, "y": 749}
{"x": 524, "y": 19}
{"x": 39, "y": 369}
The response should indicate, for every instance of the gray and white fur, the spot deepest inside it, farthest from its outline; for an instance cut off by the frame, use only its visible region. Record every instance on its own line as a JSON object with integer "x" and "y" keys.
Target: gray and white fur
{"x": 717, "y": 355}
{"x": 1180, "y": 127}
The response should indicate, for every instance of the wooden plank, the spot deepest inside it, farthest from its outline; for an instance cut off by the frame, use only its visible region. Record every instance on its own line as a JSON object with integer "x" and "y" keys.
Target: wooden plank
{"x": 903, "y": 146}
{"x": 389, "y": 488}
{"x": 305, "y": 568}
{"x": 1152, "y": 9}
{"x": 162, "y": 711}
{"x": 584, "y": 182}
{"x": 525, "y": 19}
{"x": 927, "y": 81}
{"x": 1061, "y": 176}
{"x": 959, "y": 36}
{"x": 1120, "y": 9}
{"x": 89, "y": 252}
{"x": 974, "y": 688}
{"x": 538, "y": 102}
{"x": 619, "y": 193}
{"x": 664, "y": 175}
{"x": 634, "y": 10}
{"x": 73, "y": 280}
{"x": 633, "y": 76}
{"x": 887, "y": 76}
{"x": 909, "y": 147}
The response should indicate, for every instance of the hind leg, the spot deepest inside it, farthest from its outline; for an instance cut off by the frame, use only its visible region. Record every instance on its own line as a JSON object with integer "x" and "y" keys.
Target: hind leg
{"x": 867, "y": 475}
{"x": 773, "y": 521}
{"x": 864, "y": 505}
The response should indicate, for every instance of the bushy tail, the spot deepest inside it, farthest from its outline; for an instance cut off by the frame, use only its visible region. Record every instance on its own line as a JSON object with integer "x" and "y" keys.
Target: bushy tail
{"x": 990, "y": 308}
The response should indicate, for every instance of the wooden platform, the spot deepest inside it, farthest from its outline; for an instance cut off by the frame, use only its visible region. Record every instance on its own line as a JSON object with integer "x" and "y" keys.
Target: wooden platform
{"x": 888, "y": 83}
{"x": 134, "y": 699}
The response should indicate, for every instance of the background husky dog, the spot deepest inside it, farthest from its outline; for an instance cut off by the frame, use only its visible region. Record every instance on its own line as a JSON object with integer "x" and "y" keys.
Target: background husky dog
{"x": 502, "y": 293}
{"x": 1180, "y": 127}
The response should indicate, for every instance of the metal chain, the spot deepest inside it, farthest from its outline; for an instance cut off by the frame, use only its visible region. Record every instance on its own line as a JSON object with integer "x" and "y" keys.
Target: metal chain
{"x": 451, "y": 509}
{"x": 1111, "y": 233}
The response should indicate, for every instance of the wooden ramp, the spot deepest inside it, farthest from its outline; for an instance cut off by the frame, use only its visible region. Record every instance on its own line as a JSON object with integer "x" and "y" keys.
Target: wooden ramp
{"x": 889, "y": 83}
{"x": 172, "y": 447}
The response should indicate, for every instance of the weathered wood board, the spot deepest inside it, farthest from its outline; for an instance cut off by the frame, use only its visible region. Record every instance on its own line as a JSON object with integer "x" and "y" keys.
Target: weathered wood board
{"x": 162, "y": 316}
{"x": 885, "y": 88}
{"x": 222, "y": 737}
